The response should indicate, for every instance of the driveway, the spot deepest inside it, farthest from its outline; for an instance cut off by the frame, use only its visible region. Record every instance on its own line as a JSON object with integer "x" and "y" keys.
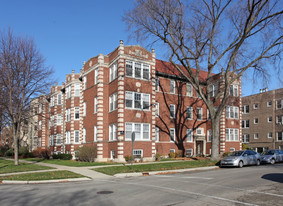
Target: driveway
{"x": 253, "y": 185}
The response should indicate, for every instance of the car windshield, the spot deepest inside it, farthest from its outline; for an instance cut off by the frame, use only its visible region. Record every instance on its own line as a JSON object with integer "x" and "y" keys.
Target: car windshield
{"x": 236, "y": 153}
{"x": 268, "y": 152}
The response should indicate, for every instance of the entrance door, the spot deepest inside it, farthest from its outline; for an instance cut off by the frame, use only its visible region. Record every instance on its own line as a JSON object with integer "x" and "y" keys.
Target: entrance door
{"x": 199, "y": 148}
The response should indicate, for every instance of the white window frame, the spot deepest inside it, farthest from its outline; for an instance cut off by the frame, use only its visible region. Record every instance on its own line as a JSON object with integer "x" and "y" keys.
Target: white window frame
{"x": 52, "y": 101}
{"x": 255, "y": 105}
{"x": 85, "y": 82}
{"x": 58, "y": 139}
{"x": 256, "y": 135}
{"x": 68, "y": 92}
{"x": 269, "y": 135}
{"x": 245, "y": 138}
{"x": 172, "y": 111}
{"x": 77, "y": 112}
{"x": 84, "y": 135}
{"x": 245, "y": 123}
{"x": 59, "y": 119}
{"x": 84, "y": 107}
{"x": 68, "y": 115}
{"x": 156, "y": 134}
{"x": 132, "y": 97}
{"x": 269, "y": 119}
{"x": 133, "y": 125}
{"x": 77, "y": 88}
{"x": 213, "y": 89}
{"x": 39, "y": 125}
{"x": 234, "y": 90}
{"x": 232, "y": 134}
{"x": 113, "y": 72}
{"x": 232, "y": 112}
{"x": 113, "y": 132}
{"x": 76, "y": 136}
{"x": 277, "y": 136}
{"x": 59, "y": 99}
{"x": 113, "y": 102}
{"x": 172, "y": 132}
{"x": 138, "y": 152}
{"x": 190, "y": 113}
{"x": 52, "y": 140}
{"x": 172, "y": 86}
{"x": 255, "y": 120}
{"x": 143, "y": 67}
{"x": 246, "y": 109}
{"x": 157, "y": 84}
{"x": 96, "y": 76}
{"x": 279, "y": 104}
{"x": 189, "y": 90}
{"x": 157, "y": 109}
{"x": 199, "y": 112}
{"x": 269, "y": 105}
{"x": 190, "y": 135}
{"x": 95, "y": 105}
{"x": 95, "y": 133}
{"x": 189, "y": 152}
{"x": 209, "y": 135}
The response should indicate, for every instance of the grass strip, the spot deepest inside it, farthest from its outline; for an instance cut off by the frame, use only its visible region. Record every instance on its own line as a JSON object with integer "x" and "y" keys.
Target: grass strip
{"x": 73, "y": 163}
{"x": 53, "y": 175}
{"x": 155, "y": 167}
{"x": 7, "y": 166}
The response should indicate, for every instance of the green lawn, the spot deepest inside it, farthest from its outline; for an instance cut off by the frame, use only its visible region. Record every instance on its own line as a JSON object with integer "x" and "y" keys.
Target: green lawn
{"x": 7, "y": 166}
{"x": 42, "y": 176}
{"x": 70, "y": 163}
{"x": 155, "y": 167}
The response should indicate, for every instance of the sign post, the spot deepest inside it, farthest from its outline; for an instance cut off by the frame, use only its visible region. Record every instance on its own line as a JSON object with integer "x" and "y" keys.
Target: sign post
{"x": 133, "y": 140}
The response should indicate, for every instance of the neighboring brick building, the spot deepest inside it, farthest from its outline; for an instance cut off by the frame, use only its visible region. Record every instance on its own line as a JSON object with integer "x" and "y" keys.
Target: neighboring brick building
{"x": 130, "y": 91}
{"x": 262, "y": 120}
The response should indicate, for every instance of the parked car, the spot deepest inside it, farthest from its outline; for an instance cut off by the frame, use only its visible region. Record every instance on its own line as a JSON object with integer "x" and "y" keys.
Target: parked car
{"x": 241, "y": 158}
{"x": 272, "y": 156}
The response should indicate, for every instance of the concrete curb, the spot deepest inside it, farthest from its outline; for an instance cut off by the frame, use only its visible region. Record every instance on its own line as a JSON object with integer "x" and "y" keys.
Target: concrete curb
{"x": 45, "y": 181}
{"x": 135, "y": 174}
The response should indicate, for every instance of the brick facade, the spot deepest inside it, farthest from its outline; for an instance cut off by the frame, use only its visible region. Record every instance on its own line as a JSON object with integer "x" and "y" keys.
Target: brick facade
{"x": 129, "y": 91}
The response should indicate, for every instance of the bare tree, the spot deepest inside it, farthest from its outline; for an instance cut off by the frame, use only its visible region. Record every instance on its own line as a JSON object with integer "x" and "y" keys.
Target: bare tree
{"x": 212, "y": 35}
{"x": 23, "y": 76}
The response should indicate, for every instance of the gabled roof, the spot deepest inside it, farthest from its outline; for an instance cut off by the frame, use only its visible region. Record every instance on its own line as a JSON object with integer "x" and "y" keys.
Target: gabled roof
{"x": 168, "y": 68}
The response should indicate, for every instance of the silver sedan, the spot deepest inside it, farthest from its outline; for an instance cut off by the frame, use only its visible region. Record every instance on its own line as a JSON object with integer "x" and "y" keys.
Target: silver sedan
{"x": 272, "y": 156}
{"x": 241, "y": 158}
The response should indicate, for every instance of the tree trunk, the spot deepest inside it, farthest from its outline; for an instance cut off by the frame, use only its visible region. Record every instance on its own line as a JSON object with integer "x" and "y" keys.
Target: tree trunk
{"x": 181, "y": 147}
{"x": 16, "y": 143}
{"x": 215, "y": 139}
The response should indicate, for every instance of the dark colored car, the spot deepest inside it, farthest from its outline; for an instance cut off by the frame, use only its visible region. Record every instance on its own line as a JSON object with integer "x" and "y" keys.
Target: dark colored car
{"x": 272, "y": 156}
{"x": 241, "y": 158}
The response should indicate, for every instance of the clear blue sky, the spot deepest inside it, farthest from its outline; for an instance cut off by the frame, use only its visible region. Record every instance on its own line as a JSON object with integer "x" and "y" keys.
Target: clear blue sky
{"x": 68, "y": 32}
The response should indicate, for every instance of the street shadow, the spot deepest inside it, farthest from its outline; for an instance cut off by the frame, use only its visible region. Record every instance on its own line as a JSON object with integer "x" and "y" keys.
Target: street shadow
{"x": 275, "y": 177}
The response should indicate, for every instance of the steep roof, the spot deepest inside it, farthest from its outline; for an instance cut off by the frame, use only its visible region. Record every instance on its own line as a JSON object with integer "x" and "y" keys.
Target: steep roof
{"x": 168, "y": 68}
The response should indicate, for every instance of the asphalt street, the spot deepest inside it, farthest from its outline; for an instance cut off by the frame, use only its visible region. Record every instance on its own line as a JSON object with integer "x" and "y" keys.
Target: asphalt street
{"x": 254, "y": 185}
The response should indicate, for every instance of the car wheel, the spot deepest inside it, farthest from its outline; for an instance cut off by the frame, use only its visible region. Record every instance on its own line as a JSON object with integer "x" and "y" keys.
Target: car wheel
{"x": 241, "y": 164}
{"x": 272, "y": 161}
{"x": 258, "y": 162}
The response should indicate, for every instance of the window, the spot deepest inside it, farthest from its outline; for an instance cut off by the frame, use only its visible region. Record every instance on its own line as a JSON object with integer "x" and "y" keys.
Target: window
{"x": 156, "y": 134}
{"x": 96, "y": 76}
{"x": 112, "y": 132}
{"x": 246, "y": 123}
{"x": 68, "y": 115}
{"x": 136, "y": 100}
{"x": 246, "y": 109}
{"x": 255, "y": 135}
{"x": 234, "y": 90}
{"x": 39, "y": 125}
{"x": 156, "y": 109}
{"x": 141, "y": 131}
{"x": 172, "y": 134}
{"x": 279, "y": 136}
{"x": 245, "y": 138}
{"x": 189, "y": 135}
{"x": 138, "y": 153}
{"x": 189, "y": 113}
{"x": 113, "y": 73}
{"x": 51, "y": 140}
{"x": 85, "y": 81}
{"x": 68, "y": 92}
{"x": 279, "y": 119}
{"x": 269, "y": 135}
{"x": 232, "y": 112}
{"x": 199, "y": 113}
{"x": 189, "y": 152}
{"x": 172, "y": 111}
{"x": 279, "y": 104}
{"x": 95, "y": 133}
{"x": 269, "y": 119}
{"x": 95, "y": 104}
{"x": 84, "y": 135}
{"x": 269, "y": 103}
{"x": 59, "y": 99}
{"x": 172, "y": 86}
{"x": 84, "y": 112}
{"x": 255, "y": 120}
{"x": 232, "y": 149}
{"x": 113, "y": 102}
{"x": 209, "y": 135}
{"x": 256, "y": 106}
{"x": 213, "y": 89}
{"x": 232, "y": 134}
{"x": 137, "y": 70}
{"x": 76, "y": 136}
{"x": 58, "y": 139}
{"x": 77, "y": 113}
{"x": 189, "y": 90}
{"x": 77, "y": 89}
{"x": 52, "y": 121}
{"x": 40, "y": 108}
{"x": 52, "y": 101}
{"x": 156, "y": 84}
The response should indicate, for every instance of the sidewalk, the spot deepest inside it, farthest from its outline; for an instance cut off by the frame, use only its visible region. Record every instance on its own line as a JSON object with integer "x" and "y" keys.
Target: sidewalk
{"x": 91, "y": 174}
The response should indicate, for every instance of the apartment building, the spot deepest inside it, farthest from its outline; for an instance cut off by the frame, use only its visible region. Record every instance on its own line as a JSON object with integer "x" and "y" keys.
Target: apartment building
{"x": 262, "y": 125}
{"x": 130, "y": 91}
